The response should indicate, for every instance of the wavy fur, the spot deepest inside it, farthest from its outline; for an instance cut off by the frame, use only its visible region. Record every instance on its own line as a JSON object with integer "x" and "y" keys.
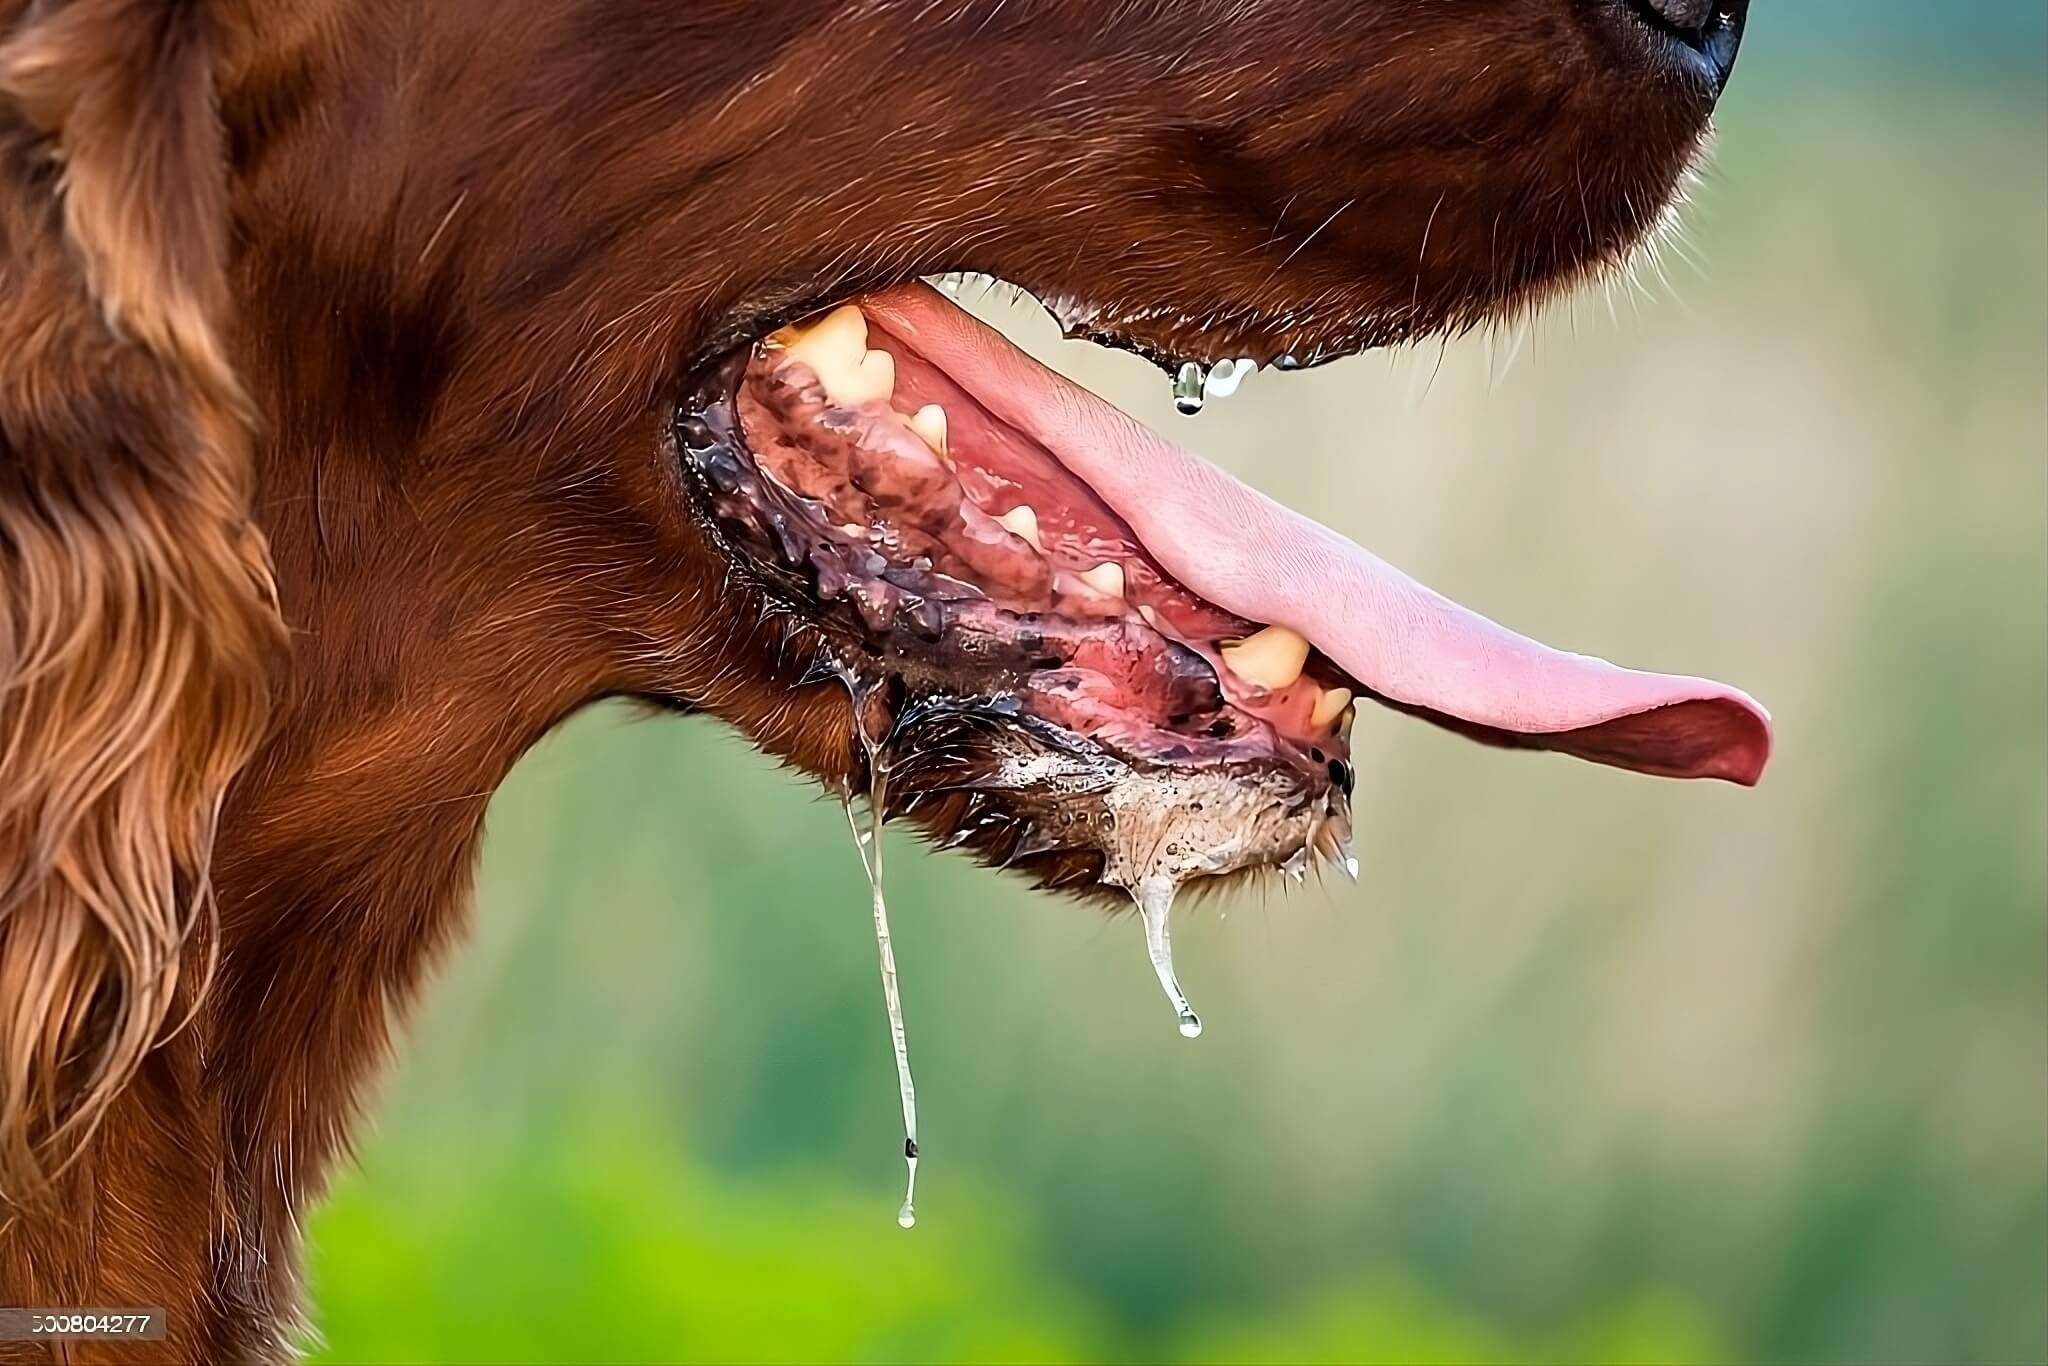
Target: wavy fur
{"x": 137, "y": 617}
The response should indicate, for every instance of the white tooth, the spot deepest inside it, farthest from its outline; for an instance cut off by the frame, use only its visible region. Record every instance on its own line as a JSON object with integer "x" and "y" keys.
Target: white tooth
{"x": 1022, "y": 520}
{"x": 1331, "y": 705}
{"x": 1106, "y": 578}
{"x": 842, "y": 332}
{"x": 874, "y": 380}
{"x": 836, "y": 350}
{"x": 1272, "y": 659}
{"x": 929, "y": 422}
{"x": 1151, "y": 617}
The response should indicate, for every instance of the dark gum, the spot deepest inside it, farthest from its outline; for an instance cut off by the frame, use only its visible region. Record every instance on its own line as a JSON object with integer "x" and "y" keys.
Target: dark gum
{"x": 1096, "y": 703}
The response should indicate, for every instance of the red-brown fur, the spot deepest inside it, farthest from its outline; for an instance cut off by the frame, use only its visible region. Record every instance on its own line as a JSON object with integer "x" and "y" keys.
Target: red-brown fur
{"x": 387, "y": 301}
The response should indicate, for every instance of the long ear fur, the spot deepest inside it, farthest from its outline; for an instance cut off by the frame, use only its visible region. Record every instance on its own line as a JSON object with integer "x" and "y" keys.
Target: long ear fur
{"x": 138, "y": 623}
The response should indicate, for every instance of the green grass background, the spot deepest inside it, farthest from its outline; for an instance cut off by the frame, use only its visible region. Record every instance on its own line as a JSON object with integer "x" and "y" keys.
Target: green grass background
{"x": 1589, "y": 1068}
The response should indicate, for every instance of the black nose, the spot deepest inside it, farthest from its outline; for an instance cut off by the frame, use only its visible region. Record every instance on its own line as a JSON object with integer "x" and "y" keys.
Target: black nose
{"x": 1710, "y": 30}
{"x": 1687, "y": 16}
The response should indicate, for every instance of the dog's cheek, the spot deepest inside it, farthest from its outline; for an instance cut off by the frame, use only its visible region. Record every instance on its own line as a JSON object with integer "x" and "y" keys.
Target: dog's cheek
{"x": 679, "y": 626}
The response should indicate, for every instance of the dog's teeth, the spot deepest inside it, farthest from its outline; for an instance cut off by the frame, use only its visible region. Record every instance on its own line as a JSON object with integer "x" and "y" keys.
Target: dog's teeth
{"x": 1272, "y": 659}
{"x": 842, "y": 333}
{"x": 1329, "y": 707}
{"x": 878, "y": 376}
{"x": 836, "y": 350}
{"x": 1022, "y": 521}
{"x": 929, "y": 422}
{"x": 1106, "y": 578}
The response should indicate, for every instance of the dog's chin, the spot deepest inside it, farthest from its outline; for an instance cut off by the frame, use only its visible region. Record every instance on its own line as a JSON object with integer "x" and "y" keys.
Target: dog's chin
{"x": 1078, "y": 651}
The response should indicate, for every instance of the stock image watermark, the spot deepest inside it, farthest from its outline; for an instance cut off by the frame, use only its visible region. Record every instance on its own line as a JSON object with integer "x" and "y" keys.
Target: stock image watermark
{"x": 47, "y": 1325}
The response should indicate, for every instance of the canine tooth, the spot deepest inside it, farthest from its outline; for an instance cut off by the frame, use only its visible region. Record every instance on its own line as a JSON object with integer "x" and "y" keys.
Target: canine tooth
{"x": 872, "y": 380}
{"x": 836, "y": 349}
{"x": 1106, "y": 578}
{"x": 1272, "y": 659}
{"x": 1329, "y": 707}
{"x": 842, "y": 332}
{"x": 929, "y": 422}
{"x": 1022, "y": 520}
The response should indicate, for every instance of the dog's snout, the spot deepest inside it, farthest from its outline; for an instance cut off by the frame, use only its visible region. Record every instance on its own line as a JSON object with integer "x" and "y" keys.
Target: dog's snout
{"x": 1705, "y": 33}
{"x": 1687, "y": 16}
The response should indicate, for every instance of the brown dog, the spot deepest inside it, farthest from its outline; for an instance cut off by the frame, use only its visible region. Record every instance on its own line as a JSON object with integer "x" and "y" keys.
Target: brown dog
{"x": 379, "y": 386}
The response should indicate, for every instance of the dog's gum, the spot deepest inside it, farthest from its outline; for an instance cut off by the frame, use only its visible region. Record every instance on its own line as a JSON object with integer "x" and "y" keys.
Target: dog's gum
{"x": 994, "y": 584}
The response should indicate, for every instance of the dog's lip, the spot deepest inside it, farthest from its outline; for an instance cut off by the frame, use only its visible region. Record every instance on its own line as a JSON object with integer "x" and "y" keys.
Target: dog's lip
{"x": 1416, "y": 649}
{"x": 1171, "y": 340}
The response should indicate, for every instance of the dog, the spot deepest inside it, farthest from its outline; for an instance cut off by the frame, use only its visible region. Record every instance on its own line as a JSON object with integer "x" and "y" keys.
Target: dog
{"x": 382, "y": 383}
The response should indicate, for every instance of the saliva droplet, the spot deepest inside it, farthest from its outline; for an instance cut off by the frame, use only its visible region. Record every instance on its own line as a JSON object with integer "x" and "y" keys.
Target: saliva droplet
{"x": 1155, "y": 900}
{"x": 1189, "y": 388}
{"x": 906, "y": 1217}
{"x": 1296, "y": 868}
{"x": 1225, "y": 376}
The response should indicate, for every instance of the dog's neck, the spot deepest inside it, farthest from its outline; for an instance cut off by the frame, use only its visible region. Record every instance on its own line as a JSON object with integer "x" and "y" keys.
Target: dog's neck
{"x": 347, "y": 847}
{"x": 342, "y": 872}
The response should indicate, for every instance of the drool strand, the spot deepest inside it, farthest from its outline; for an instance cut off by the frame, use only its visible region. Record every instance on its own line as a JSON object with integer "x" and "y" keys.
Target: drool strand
{"x": 868, "y": 843}
{"x": 1155, "y": 900}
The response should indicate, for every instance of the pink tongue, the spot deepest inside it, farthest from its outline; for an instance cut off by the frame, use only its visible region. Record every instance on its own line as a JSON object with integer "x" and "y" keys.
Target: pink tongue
{"x": 1415, "y": 648}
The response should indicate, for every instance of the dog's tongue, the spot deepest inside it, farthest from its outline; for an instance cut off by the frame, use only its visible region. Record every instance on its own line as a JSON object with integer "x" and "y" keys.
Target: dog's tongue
{"x": 1416, "y": 649}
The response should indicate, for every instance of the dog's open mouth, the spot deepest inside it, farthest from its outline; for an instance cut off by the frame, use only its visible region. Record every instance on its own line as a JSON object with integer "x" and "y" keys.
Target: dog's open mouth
{"x": 1086, "y": 653}
{"x": 1157, "y": 667}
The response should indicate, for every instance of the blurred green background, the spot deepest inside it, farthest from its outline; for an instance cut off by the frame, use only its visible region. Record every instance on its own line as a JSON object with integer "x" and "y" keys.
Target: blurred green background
{"x": 1589, "y": 1068}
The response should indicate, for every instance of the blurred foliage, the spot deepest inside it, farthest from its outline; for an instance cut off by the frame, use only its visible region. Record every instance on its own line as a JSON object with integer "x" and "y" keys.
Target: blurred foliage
{"x": 1590, "y": 1069}
{"x": 602, "y": 1249}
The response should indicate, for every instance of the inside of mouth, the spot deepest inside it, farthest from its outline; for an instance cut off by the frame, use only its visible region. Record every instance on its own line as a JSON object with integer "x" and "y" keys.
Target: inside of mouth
{"x": 942, "y": 536}
{"x": 977, "y": 525}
